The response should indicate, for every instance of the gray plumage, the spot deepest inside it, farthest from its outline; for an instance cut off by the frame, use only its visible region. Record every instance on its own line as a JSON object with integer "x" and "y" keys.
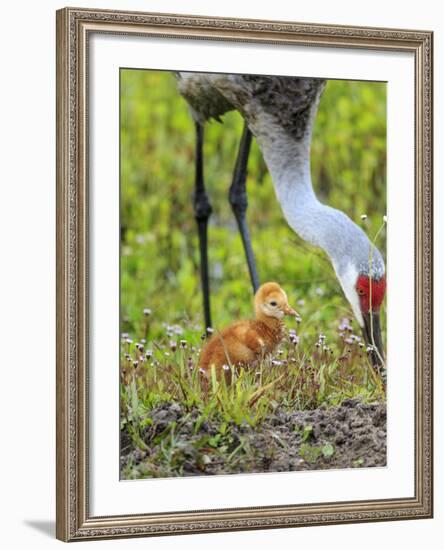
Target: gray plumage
{"x": 287, "y": 99}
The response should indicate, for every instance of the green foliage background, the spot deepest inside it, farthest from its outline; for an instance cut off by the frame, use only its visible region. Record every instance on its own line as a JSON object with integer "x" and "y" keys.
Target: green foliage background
{"x": 160, "y": 260}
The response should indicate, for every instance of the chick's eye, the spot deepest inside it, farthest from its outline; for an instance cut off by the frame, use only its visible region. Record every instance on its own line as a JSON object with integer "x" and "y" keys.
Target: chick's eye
{"x": 273, "y": 303}
{"x": 361, "y": 292}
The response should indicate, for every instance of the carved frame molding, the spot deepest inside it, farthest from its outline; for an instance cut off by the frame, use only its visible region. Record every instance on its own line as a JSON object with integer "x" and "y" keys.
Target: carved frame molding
{"x": 73, "y": 520}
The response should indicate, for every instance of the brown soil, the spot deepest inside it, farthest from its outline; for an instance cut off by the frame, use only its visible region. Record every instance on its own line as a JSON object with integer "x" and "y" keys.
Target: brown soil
{"x": 351, "y": 435}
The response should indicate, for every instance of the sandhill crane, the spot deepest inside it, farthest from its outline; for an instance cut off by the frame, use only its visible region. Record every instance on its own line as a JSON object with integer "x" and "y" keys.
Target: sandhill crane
{"x": 280, "y": 113}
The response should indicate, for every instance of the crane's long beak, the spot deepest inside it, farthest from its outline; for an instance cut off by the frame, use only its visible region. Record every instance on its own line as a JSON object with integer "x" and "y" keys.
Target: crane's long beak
{"x": 373, "y": 337}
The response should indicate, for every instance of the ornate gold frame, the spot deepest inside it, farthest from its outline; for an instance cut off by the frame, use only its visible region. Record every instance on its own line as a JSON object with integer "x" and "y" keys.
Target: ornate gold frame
{"x": 73, "y": 519}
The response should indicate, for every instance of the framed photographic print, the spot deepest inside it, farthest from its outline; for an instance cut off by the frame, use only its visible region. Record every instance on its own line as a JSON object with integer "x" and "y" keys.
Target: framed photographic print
{"x": 244, "y": 274}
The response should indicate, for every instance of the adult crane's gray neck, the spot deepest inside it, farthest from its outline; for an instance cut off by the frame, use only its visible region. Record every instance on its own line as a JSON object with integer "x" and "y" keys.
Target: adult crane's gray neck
{"x": 288, "y": 159}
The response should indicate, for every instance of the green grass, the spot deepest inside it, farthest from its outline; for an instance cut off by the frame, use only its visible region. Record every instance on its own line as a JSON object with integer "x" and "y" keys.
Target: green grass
{"x": 302, "y": 374}
{"x": 160, "y": 261}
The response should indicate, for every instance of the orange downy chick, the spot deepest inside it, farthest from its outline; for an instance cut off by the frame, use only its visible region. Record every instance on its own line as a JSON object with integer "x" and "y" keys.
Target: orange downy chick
{"x": 243, "y": 342}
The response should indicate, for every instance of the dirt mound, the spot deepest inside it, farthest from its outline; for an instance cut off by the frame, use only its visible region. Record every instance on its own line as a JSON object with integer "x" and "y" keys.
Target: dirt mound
{"x": 175, "y": 442}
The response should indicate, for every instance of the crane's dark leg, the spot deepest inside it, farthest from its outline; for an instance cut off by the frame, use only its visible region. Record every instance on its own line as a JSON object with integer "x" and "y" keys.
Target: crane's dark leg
{"x": 239, "y": 202}
{"x": 202, "y": 211}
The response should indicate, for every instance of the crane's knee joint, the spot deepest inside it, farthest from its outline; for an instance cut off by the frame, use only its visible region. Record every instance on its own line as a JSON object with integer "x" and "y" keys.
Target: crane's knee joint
{"x": 238, "y": 201}
{"x": 202, "y": 207}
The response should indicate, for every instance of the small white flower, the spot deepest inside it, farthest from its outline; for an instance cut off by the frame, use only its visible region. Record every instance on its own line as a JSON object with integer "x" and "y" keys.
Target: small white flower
{"x": 147, "y": 311}
{"x": 384, "y": 218}
{"x": 363, "y": 217}
{"x": 225, "y": 367}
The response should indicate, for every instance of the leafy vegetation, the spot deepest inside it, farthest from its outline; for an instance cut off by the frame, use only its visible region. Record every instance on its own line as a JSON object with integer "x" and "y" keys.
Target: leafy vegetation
{"x": 323, "y": 360}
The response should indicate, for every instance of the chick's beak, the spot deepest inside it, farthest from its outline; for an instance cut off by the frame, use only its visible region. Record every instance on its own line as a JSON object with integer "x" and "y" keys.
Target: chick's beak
{"x": 373, "y": 337}
{"x": 289, "y": 310}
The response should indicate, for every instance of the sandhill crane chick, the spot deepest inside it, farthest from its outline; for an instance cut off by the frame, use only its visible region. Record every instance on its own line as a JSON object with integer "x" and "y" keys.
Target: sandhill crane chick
{"x": 242, "y": 343}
